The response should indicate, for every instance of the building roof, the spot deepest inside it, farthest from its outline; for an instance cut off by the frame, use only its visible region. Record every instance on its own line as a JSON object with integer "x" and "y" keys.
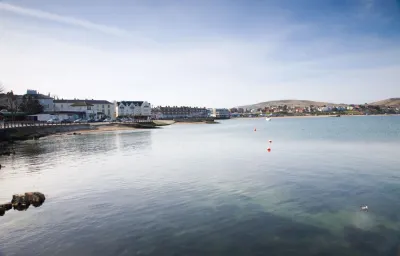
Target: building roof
{"x": 126, "y": 103}
{"x": 69, "y": 112}
{"x": 87, "y": 101}
{"x": 38, "y": 96}
{"x": 42, "y": 96}
{"x": 81, "y": 104}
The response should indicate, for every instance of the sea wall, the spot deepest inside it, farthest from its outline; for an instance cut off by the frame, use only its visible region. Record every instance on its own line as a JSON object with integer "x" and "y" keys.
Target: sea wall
{"x": 29, "y": 132}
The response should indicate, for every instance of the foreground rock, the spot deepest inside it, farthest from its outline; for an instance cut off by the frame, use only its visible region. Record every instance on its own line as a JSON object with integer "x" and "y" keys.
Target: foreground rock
{"x": 6, "y": 206}
{"x": 21, "y": 202}
{"x": 35, "y": 198}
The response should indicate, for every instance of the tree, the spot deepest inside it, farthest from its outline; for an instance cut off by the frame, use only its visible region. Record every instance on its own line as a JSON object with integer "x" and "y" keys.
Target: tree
{"x": 30, "y": 105}
{"x": 12, "y": 105}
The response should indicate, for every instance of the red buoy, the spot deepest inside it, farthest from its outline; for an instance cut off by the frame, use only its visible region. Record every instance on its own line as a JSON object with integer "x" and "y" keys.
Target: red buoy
{"x": 255, "y": 129}
{"x": 270, "y": 141}
{"x": 269, "y": 149}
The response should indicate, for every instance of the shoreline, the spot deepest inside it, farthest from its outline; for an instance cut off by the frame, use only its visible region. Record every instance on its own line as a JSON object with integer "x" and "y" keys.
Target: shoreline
{"x": 202, "y": 122}
{"x": 102, "y": 128}
{"x": 318, "y": 116}
{"x": 99, "y": 129}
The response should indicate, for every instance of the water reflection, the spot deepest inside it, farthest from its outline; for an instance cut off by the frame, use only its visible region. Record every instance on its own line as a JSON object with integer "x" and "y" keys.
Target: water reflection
{"x": 36, "y": 155}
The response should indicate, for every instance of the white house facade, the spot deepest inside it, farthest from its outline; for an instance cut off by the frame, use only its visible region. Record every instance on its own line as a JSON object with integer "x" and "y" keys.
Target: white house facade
{"x": 136, "y": 109}
{"x": 86, "y": 109}
{"x": 220, "y": 113}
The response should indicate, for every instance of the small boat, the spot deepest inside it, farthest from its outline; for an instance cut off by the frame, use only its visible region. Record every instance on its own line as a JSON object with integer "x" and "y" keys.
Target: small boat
{"x": 267, "y": 119}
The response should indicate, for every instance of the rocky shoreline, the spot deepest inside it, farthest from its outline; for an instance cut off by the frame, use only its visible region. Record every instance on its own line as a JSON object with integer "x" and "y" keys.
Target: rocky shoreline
{"x": 21, "y": 202}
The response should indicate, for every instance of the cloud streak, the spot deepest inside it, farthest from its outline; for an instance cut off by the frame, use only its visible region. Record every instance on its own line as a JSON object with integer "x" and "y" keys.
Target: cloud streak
{"x": 63, "y": 19}
{"x": 289, "y": 60}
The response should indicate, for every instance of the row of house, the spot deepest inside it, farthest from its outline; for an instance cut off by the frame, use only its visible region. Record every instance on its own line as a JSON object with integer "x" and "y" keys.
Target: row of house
{"x": 100, "y": 109}
{"x": 176, "y": 112}
{"x": 288, "y": 109}
{"x": 89, "y": 109}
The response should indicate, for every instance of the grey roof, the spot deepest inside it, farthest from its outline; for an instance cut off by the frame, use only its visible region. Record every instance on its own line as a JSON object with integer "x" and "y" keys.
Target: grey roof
{"x": 126, "y": 103}
{"x": 81, "y": 104}
{"x": 40, "y": 96}
{"x": 85, "y": 101}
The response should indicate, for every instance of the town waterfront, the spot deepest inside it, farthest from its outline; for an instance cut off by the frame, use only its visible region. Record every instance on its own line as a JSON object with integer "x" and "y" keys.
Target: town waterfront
{"x": 210, "y": 190}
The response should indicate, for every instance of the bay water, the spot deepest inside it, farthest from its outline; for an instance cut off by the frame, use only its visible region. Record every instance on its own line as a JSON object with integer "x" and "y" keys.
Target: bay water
{"x": 210, "y": 189}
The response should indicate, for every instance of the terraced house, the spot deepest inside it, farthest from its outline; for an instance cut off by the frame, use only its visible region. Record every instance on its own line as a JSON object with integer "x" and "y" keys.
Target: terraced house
{"x": 179, "y": 112}
{"x": 87, "y": 109}
{"x": 135, "y": 109}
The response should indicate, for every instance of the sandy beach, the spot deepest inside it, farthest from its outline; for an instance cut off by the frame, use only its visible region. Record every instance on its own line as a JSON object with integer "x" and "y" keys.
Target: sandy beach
{"x": 108, "y": 128}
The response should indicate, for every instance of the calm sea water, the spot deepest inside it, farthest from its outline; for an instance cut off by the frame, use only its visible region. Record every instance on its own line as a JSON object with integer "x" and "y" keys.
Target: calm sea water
{"x": 210, "y": 190}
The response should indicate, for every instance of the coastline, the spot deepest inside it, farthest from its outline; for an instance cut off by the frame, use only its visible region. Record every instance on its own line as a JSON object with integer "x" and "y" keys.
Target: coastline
{"x": 318, "y": 116}
{"x": 106, "y": 127}
{"x": 203, "y": 122}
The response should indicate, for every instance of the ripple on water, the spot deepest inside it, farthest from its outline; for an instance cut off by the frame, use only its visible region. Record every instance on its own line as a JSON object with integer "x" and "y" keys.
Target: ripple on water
{"x": 209, "y": 190}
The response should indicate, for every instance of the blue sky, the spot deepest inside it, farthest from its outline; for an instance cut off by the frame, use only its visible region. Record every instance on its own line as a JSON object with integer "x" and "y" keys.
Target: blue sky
{"x": 214, "y": 53}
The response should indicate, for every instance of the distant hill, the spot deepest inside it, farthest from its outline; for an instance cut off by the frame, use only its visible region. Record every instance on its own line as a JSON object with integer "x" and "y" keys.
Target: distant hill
{"x": 392, "y": 102}
{"x": 296, "y": 103}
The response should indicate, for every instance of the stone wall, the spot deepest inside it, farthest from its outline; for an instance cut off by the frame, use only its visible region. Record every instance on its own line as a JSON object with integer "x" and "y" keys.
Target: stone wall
{"x": 30, "y": 132}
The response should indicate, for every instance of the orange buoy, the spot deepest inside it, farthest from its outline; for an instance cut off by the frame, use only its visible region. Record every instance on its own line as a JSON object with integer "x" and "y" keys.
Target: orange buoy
{"x": 269, "y": 149}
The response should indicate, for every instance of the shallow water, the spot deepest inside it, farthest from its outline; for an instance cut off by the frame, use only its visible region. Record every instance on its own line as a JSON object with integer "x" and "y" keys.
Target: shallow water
{"x": 210, "y": 190}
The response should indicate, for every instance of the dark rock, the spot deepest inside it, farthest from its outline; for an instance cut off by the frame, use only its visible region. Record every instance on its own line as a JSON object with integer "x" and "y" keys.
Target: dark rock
{"x": 19, "y": 201}
{"x": 21, "y": 207}
{"x": 35, "y": 198}
{"x": 2, "y": 211}
{"x": 6, "y": 206}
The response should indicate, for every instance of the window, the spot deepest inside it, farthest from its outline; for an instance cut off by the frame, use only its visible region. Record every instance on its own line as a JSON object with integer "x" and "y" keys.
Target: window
{"x": 102, "y": 106}
{"x": 89, "y": 108}
{"x": 108, "y": 106}
{"x": 61, "y": 105}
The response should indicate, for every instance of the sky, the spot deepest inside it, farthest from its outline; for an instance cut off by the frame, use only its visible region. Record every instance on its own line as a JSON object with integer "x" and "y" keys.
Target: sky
{"x": 207, "y": 53}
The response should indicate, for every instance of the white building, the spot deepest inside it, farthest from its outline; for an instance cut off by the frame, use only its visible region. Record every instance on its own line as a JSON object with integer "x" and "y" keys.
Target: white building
{"x": 220, "y": 113}
{"x": 136, "y": 109}
{"x": 86, "y": 109}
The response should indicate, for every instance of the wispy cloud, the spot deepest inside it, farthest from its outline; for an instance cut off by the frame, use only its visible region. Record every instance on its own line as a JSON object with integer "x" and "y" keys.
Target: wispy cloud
{"x": 290, "y": 59}
{"x": 63, "y": 19}
{"x": 368, "y": 4}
